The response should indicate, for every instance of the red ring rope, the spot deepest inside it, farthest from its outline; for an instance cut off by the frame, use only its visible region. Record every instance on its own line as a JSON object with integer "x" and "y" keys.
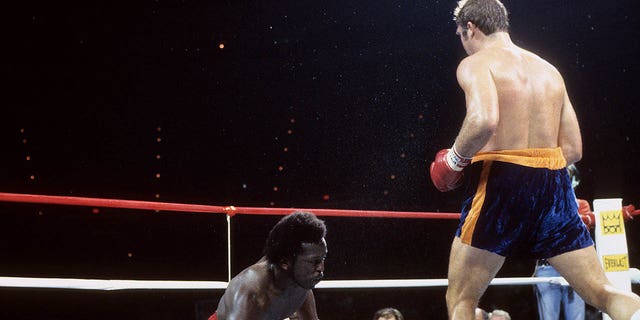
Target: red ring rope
{"x": 229, "y": 210}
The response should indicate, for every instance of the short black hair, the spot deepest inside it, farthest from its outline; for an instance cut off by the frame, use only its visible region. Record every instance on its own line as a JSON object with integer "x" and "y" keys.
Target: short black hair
{"x": 287, "y": 236}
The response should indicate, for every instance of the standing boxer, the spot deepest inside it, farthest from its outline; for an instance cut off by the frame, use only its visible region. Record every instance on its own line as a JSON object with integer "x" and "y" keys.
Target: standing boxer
{"x": 519, "y": 133}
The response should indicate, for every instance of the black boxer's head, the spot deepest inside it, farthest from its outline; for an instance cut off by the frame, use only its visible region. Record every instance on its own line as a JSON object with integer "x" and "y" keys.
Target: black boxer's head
{"x": 287, "y": 236}
{"x": 296, "y": 244}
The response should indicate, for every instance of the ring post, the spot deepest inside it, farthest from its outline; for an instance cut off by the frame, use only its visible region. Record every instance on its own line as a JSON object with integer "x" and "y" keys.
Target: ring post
{"x": 611, "y": 243}
{"x": 228, "y": 248}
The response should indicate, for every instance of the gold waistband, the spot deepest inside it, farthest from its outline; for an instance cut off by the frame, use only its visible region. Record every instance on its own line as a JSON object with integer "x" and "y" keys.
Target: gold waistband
{"x": 550, "y": 158}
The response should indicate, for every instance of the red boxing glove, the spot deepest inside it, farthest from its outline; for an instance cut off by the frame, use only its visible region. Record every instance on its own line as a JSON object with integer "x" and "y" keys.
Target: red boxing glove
{"x": 629, "y": 211}
{"x": 446, "y": 169}
{"x": 584, "y": 209}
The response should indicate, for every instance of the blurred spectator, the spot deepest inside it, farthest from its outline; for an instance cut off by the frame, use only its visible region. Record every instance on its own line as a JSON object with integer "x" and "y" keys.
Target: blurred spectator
{"x": 388, "y": 314}
{"x": 481, "y": 314}
{"x": 498, "y": 314}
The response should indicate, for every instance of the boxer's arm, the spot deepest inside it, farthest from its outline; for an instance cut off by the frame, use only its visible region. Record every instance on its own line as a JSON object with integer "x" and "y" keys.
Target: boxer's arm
{"x": 569, "y": 138}
{"x": 481, "y": 95}
{"x": 308, "y": 309}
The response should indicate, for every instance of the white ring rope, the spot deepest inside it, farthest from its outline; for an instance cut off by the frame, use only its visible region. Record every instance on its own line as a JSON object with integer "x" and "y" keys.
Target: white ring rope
{"x": 97, "y": 284}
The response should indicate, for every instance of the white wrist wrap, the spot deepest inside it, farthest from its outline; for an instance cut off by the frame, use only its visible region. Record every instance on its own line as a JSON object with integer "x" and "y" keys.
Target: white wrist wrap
{"x": 456, "y": 161}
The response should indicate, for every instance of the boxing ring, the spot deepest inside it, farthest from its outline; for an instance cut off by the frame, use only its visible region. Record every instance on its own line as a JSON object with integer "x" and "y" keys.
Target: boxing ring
{"x": 230, "y": 211}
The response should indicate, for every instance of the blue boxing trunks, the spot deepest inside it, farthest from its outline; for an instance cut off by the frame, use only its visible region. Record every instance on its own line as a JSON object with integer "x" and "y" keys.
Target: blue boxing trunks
{"x": 519, "y": 203}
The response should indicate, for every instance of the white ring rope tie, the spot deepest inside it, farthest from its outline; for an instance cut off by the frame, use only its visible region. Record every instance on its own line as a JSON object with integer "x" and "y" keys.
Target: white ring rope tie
{"x": 97, "y": 284}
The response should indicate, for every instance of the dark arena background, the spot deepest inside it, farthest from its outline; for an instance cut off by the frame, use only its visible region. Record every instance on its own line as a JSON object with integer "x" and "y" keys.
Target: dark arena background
{"x": 311, "y": 104}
